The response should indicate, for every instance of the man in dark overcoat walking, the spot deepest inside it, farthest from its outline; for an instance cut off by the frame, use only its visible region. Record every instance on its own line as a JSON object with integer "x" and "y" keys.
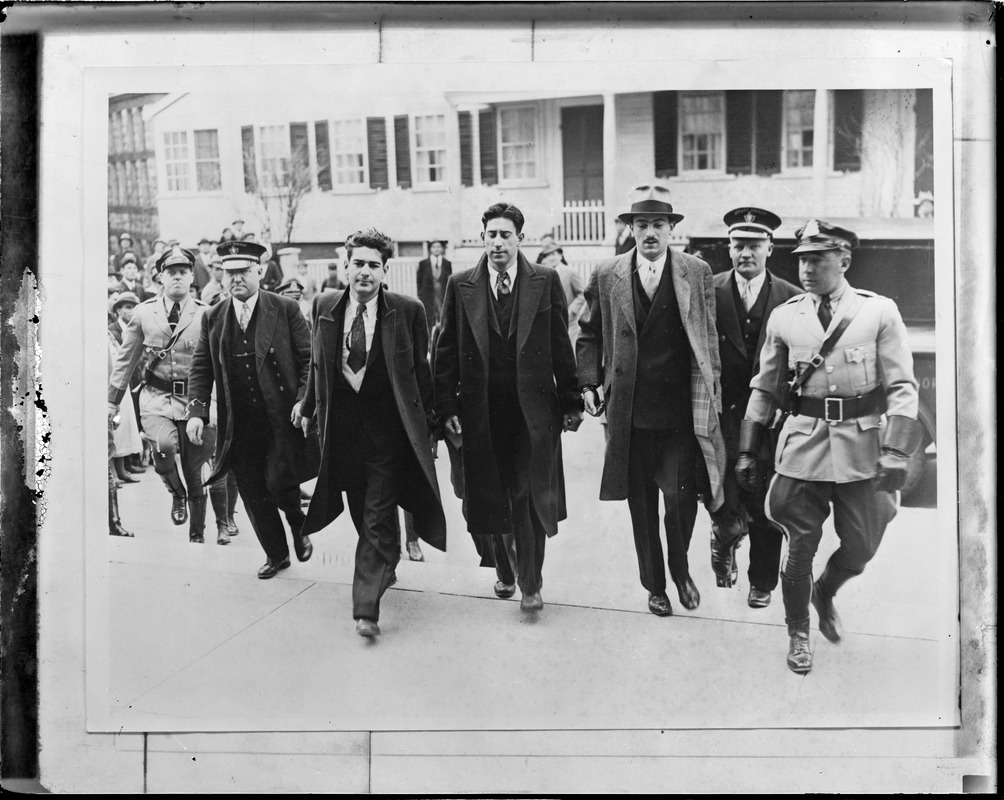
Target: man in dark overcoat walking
{"x": 432, "y": 276}
{"x": 255, "y": 347}
{"x": 506, "y": 385}
{"x": 370, "y": 391}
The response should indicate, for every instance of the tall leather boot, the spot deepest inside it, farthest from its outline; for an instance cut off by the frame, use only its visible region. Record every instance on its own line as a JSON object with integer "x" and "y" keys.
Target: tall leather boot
{"x": 796, "y": 594}
{"x": 823, "y": 591}
{"x": 726, "y": 533}
{"x": 114, "y": 523}
{"x": 218, "y": 497}
{"x": 179, "y": 497}
{"x": 197, "y": 519}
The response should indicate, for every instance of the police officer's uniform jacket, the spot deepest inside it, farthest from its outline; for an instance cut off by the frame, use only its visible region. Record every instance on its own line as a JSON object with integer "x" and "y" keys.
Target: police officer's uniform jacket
{"x": 871, "y": 354}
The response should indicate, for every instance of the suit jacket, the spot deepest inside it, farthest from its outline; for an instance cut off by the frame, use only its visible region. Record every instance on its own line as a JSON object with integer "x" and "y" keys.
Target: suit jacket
{"x": 607, "y": 351}
{"x": 427, "y": 284}
{"x": 148, "y": 333}
{"x": 873, "y": 351}
{"x": 736, "y": 373}
{"x": 546, "y": 387}
{"x": 282, "y": 356}
{"x": 202, "y": 273}
{"x": 404, "y": 339}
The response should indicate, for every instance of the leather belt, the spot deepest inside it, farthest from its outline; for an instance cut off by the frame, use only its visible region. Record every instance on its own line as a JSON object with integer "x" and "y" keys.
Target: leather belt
{"x": 839, "y": 409}
{"x": 178, "y": 386}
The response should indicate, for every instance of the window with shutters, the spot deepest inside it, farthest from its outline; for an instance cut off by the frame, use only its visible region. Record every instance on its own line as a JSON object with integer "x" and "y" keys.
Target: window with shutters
{"x": 348, "y": 152}
{"x": 518, "y": 134}
{"x": 192, "y": 161}
{"x": 799, "y": 109}
{"x": 273, "y": 156}
{"x": 702, "y": 132}
{"x": 429, "y": 148}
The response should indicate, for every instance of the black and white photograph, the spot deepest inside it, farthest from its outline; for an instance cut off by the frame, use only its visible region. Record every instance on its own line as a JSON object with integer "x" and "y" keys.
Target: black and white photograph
{"x": 575, "y": 395}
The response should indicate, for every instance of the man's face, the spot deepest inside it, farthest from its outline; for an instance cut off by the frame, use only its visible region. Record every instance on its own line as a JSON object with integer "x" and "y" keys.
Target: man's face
{"x": 124, "y": 311}
{"x": 651, "y": 232}
{"x": 501, "y": 242}
{"x": 238, "y": 227}
{"x": 366, "y": 272}
{"x": 242, "y": 283}
{"x": 749, "y": 256}
{"x": 436, "y": 249}
{"x": 176, "y": 281}
{"x": 820, "y": 271}
{"x": 552, "y": 259}
{"x": 126, "y": 243}
{"x": 218, "y": 274}
{"x": 204, "y": 248}
{"x": 129, "y": 271}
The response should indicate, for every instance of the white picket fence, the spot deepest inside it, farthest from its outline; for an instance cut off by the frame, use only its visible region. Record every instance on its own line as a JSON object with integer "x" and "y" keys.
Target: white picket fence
{"x": 582, "y": 222}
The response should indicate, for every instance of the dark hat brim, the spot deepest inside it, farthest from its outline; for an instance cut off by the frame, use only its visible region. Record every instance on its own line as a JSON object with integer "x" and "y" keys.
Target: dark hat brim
{"x": 628, "y": 217}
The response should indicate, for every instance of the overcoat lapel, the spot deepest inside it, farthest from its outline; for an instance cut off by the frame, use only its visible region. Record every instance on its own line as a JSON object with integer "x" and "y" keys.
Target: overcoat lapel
{"x": 386, "y": 320}
{"x": 622, "y": 289}
{"x": 729, "y": 315}
{"x": 268, "y": 314}
{"x": 774, "y": 299}
{"x": 682, "y": 284}
{"x": 474, "y": 296}
{"x": 527, "y": 299}
{"x": 331, "y": 341}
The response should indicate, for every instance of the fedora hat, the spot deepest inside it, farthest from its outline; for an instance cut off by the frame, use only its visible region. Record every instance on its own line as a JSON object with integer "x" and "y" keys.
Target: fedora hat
{"x": 651, "y": 204}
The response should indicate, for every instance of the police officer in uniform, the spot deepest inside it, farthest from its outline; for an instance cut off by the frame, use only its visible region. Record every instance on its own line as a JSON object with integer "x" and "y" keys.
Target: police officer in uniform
{"x": 745, "y": 296}
{"x": 835, "y": 447}
{"x": 166, "y": 330}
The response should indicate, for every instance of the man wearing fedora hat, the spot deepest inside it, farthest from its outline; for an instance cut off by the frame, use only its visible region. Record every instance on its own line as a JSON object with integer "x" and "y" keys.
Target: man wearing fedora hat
{"x": 745, "y": 296}
{"x": 836, "y": 358}
{"x": 165, "y": 329}
{"x": 254, "y": 347}
{"x": 648, "y": 353}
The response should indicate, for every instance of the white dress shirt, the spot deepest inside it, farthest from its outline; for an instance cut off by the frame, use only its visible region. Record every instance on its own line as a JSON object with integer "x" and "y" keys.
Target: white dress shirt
{"x": 749, "y": 290}
{"x": 653, "y": 268}
{"x": 249, "y": 304}
{"x": 493, "y": 274}
{"x": 355, "y": 379}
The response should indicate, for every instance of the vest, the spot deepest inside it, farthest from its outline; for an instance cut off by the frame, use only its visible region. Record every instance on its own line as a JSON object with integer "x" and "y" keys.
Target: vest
{"x": 502, "y": 392}
{"x": 246, "y": 398}
{"x": 662, "y": 382}
{"x": 750, "y": 322}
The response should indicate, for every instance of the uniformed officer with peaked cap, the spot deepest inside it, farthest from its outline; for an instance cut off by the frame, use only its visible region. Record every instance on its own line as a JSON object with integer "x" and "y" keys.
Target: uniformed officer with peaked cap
{"x": 852, "y": 429}
{"x": 745, "y": 297}
{"x": 166, "y": 330}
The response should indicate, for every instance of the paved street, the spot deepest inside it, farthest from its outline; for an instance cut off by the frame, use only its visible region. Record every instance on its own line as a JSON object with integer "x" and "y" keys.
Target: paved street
{"x": 197, "y": 642}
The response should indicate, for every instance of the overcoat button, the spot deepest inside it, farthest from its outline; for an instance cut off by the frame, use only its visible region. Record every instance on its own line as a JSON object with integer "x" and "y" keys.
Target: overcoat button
{"x": 617, "y": 371}
{"x": 417, "y": 404}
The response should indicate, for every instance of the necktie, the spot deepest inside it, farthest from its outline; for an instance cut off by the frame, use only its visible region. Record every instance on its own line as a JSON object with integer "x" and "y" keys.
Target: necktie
{"x": 747, "y": 295}
{"x": 824, "y": 311}
{"x": 503, "y": 284}
{"x": 245, "y": 315}
{"x": 174, "y": 316}
{"x": 357, "y": 340}
{"x": 649, "y": 281}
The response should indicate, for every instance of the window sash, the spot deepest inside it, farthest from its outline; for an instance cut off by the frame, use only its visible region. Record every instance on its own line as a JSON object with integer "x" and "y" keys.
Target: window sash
{"x": 799, "y": 110}
{"x": 207, "y": 160}
{"x": 176, "y": 160}
{"x": 702, "y": 131}
{"x": 273, "y": 155}
{"x": 430, "y": 148}
{"x": 517, "y": 129}
{"x": 348, "y": 152}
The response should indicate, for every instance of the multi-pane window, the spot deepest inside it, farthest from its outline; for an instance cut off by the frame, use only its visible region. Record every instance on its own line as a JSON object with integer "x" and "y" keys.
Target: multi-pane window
{"x": 207, "y": 160}
{"x": 348, "y": 152}
{"x": 517, "y": 135}
{"x": 115, "y": 123}
{"x": 799, "y": 107}
{"x": 702, "y": 131}
{"x": 273, "y": 156}
{"x": 176, "y": 161}
{"x": 430, "y": 148}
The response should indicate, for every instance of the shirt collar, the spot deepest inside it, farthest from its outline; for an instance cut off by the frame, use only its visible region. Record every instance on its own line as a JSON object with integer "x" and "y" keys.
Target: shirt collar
{"x": 510, "y": 271}
{"x": 755, "y": 284}
{"x": 169, "y": 304}
{"x": 251, "y": 303}
{"x": 658, "y": 264}
{"x": 370, "y": 304}
{"x": 835, "y": 295}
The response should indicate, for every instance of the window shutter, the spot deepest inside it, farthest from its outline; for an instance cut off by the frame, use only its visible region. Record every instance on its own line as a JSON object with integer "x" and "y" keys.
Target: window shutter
{"x": 664, "y": 124}
{"x": 767, "y": 110}
{"x": 739, "y": 132}
{"x": 402, "y": 149}
{"x": 322, "y": 145}
{"x": 299, "y": 150}
{"x": 923, "y": 156}
{"x": 848, "y": 113}
{"x": 488, "y": 147}
{"x": 376, "y": 142}
{"x": 466, "y": 149}
{"x": 247, "y": 147}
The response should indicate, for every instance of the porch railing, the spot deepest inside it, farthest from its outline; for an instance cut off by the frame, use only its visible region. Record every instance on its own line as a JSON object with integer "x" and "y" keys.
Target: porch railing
{"x": 582, "y": 222}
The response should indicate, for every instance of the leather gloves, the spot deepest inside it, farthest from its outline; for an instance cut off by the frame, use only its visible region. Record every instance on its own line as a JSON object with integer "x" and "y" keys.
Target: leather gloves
{"x": 901, "y": 438}
{"x": 747, "y": 470}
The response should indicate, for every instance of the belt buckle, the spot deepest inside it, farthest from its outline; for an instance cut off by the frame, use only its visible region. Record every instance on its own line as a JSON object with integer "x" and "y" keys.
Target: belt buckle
{"x": 178, "y": 387}
{"x": 828, "y": 403}
{"x": 817, "y": 361}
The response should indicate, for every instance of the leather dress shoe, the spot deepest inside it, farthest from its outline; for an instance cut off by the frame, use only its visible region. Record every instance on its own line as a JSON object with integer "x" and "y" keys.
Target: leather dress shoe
{"x": 222, "y": 534}
{"x": 415, "y": 552}
{"x": 126, "y": 477}
{"x": 504, "y": 590}
{"x": 232, "y": 528}
{"x": 302, "y": 546}
{"x": 367, "y": 628}
{"x": 270, "y": 570}
{"x": 829, "y": 622}
{"x": 799, "y": 654}
{"x": 659, "y": 605}
{"x": 196, "y": 538}
{"x": 179, "y": 509}
{"x": 531, "y": 602}
{"x": 135, "y": 470}
{"x": 758, "y": 598}
{"x": 690, "y": 598}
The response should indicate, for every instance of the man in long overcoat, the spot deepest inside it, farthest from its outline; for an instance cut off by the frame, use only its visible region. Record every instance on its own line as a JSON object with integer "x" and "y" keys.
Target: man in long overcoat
{"x": 505, "y": 384}
{"x": 255, "y": 347}
{"x": 370, "y": 391}
{"x": 432, "y": 276}
{"x": 647, "y": 340}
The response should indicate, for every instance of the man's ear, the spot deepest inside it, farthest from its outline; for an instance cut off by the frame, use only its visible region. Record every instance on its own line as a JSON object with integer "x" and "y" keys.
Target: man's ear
{"x": 482, "y": 236}
{"x": 519, "y": 238}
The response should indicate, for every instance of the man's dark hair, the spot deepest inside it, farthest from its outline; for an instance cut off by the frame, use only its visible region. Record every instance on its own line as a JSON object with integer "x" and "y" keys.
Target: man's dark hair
{"x": 505, "y": 211}
{"x": 373, "y": 239}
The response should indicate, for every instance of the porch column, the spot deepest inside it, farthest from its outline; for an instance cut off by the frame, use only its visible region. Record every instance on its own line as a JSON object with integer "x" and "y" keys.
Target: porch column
{"x": 820, "y": 150}
{"x": 609, "y": 166}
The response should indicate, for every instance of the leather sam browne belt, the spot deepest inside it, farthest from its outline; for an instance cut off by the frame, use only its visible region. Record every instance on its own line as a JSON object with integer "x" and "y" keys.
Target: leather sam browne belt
{"x": 839, "y": 409}
{"x": 177, "y": 386}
